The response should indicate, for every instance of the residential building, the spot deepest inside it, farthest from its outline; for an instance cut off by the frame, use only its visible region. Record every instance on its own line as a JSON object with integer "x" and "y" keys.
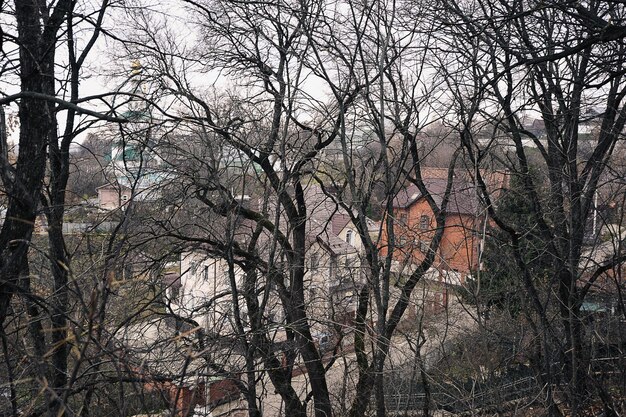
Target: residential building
{"x": 112, "y": 196}
{"x": 333, "y": 268}
{"x": 209, "y": 342}
{"x": 204, "y": 293}
{"x": 414, "y": 226}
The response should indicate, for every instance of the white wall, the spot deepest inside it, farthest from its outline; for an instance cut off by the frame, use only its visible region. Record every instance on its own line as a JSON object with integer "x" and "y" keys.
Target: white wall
{"x": 205, "y": 293}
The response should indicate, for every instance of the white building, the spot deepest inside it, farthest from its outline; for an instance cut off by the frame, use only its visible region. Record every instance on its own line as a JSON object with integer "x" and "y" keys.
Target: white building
{"x": 333, "y": 274}
{"x": 205, "y": 293}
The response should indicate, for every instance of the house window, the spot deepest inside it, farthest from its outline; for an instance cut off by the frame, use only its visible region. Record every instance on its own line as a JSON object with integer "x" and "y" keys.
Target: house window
{"x": 422, "y": 246}
{"x": 128, "y": 272}
{"x": 349, "y": 237}
{"x": 315, "y": 262}
{"x": 424, "y": 222}
{"x": 401, "y": 241}
{"x": 205, "y": 273}
{"x": 174, "y": 292}
{"x": 403, "y": 218}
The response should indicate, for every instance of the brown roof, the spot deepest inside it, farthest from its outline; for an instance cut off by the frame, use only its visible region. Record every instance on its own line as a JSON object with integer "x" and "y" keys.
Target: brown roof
{"x": 335, "y": 245}
{"x": 112, "y": 187}
{"x": 223, "y": 391}
{"x": 172, "y": 279}
{"x": 326, "y": 221}
{"x": 463, "y": 197}
{"x": 339, "y": 221}
{"x": 462, "y": 200}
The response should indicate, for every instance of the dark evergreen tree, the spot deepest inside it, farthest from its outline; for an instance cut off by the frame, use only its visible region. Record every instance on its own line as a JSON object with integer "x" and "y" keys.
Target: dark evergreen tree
{"x": 499, "y": 284}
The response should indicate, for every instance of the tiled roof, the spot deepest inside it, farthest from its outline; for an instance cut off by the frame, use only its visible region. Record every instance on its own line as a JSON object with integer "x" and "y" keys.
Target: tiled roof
{"x": 326, "y": 220}
{"x": 335, "y": 245}
{"x": 339, "y": 220}
{"x": 463, "y": 196}
{"x": 462, "y": 200}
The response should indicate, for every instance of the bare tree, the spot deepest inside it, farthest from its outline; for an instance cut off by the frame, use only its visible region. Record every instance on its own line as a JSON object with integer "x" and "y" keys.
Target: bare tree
{"x": 261, "y": 147}
{"x": 525, "y": 60}
{"x": 46, "y": 48}
{"x": 264, "y": 164}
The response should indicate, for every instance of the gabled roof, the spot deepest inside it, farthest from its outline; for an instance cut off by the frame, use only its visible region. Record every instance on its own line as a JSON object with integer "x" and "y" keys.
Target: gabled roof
{"x": 327, "y": 219}
{"x": 172, "y": 280}
{"x": 339, "y": 221}
{"x": 463, "y": 196}
{"x": 112, "y": 186}
{"x": 335, "y": 245}
{"x": 463, "y": 199}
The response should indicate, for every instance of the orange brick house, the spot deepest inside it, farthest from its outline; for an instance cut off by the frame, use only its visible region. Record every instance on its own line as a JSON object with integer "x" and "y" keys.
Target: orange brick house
{"x": 415, "y": 226}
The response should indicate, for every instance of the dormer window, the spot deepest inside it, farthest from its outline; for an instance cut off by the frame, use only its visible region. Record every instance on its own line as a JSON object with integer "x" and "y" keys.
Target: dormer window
{"x": 424, "y": 222}
{"x": 314, "y": 262}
